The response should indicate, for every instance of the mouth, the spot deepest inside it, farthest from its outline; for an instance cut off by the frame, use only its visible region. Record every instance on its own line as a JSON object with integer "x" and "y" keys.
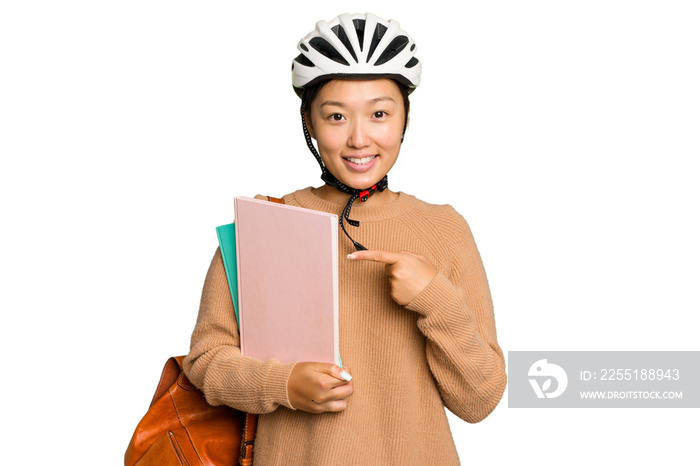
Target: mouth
{"x": 360, "y": 160}
{"x": 360, "y": 164}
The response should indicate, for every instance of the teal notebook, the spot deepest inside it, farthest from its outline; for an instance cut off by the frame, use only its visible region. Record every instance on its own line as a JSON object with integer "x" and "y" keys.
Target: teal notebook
{"x": 227, "y": 243}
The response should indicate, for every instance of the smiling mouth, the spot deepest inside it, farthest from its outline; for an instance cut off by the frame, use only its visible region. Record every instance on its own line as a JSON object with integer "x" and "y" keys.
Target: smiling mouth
{"x": 360, "y": 161}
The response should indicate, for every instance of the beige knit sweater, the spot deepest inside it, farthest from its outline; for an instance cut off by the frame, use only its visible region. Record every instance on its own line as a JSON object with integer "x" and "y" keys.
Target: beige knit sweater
{"x": 406, "y": 362}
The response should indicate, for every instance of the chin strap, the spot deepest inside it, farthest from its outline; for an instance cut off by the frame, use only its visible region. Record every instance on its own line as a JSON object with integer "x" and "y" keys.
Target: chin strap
{"x": 363, "y": 196}
{"x": 329, "y": 179}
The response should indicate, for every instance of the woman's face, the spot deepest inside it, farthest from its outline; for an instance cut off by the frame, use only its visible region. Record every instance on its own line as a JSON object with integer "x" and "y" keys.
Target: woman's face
{"x": 358, "y": 127}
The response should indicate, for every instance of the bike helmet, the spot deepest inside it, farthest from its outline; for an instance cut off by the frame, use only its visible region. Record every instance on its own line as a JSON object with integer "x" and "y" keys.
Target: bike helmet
{"x": 351, "y": 46}
{"x": 356, "y": 45}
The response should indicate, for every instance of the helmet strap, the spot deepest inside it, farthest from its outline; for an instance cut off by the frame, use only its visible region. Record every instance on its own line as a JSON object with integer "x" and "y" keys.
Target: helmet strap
{"x": 329, "y": 179}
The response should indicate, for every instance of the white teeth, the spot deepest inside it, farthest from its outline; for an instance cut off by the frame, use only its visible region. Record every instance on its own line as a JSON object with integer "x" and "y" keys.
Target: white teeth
{"x": 361, "y": 161}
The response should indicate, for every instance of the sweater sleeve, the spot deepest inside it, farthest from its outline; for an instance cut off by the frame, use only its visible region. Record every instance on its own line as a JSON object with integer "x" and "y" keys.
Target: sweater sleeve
{"x": 215, "y": 364}
{"x": 456, "y": 316}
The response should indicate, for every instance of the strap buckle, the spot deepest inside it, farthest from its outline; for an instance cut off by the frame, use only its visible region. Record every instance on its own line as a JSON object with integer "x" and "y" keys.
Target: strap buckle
{"x": 364, "y": 195}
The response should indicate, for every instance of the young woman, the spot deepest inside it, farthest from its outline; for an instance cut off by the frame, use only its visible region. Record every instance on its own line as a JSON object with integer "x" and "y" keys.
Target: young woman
{"x": 417, "y": 330}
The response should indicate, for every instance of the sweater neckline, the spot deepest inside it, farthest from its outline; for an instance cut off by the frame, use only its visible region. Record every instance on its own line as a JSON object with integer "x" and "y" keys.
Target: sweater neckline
{"x": 360, "y": 211}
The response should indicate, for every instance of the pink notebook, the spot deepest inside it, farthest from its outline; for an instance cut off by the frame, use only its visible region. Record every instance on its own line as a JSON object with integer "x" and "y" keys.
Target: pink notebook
{"x": 287, "y": 260}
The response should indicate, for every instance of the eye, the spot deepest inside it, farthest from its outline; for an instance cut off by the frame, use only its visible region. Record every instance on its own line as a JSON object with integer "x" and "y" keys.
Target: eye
{"x": 336, "y": 117}
{"x": 379, "y": 114}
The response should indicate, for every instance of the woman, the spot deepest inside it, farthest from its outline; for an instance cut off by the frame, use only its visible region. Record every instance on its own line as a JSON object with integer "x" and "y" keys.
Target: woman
{"x": 417, "y": 329}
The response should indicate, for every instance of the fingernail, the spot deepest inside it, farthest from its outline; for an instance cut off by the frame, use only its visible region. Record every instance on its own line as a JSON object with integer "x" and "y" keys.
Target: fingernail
{"x": 350, "y": 256}
{"x": 346, "y": 376}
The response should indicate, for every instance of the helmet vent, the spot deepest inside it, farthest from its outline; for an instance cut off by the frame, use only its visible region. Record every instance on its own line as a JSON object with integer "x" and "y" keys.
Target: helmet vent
{"x": 394, "y": 48}
{"x": 412, "y": 62}
{"x": 360, "y": 30}
{"x": 303, "y": 60}
{"x": 340, "y": 32}
{"x": 326, "y": 49}
{"x": 376, "y": 37}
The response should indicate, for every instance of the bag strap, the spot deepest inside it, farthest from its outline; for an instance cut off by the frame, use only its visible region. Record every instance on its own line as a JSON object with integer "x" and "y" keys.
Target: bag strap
{"x": 249, "y": 427}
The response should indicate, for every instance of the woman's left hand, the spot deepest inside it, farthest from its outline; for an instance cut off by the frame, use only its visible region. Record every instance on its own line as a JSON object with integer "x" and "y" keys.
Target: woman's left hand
{"x": 408, "y": 273}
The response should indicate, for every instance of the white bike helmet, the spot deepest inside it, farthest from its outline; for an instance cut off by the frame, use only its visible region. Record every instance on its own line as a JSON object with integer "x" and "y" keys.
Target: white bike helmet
{"x": 356, "y": 45}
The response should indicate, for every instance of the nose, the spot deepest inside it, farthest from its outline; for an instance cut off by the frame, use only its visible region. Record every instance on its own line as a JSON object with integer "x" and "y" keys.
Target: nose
{"x": 359, "y": 136}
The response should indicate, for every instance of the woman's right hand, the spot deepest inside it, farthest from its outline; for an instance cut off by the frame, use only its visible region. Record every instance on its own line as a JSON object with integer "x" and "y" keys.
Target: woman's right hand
{"x": 318, "y": 387}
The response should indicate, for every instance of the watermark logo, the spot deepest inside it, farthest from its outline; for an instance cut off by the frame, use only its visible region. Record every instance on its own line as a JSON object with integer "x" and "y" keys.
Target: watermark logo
{"x": 545, "y": 372}
{"x": 603, "y": 379}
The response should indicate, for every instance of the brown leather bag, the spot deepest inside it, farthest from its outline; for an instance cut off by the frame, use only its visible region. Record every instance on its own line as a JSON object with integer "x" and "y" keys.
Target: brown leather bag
{"x": 181, "y": 428}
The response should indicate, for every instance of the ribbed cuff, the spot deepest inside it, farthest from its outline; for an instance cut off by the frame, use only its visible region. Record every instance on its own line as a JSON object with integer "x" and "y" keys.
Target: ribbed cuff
{"x": 279, "y": 377}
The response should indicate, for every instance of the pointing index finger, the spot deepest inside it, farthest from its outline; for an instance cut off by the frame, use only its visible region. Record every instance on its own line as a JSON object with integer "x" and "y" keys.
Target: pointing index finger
{"x": 376, "y": 256}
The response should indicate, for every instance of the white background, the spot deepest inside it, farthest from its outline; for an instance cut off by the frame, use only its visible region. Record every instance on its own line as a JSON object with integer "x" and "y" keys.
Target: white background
{"x": 565, "y": 132}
